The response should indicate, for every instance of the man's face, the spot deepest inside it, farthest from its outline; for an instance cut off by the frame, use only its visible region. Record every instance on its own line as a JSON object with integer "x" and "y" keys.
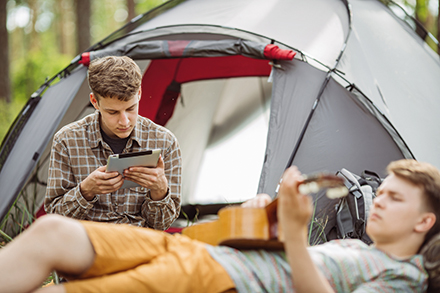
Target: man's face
{"x": 396, "y": 211}
{"x": 118, "y": 118}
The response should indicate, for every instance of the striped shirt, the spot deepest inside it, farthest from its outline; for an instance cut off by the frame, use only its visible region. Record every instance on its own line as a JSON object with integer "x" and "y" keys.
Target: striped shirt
{"x": 78, "y": 149}
{"x": 349, "y": 265}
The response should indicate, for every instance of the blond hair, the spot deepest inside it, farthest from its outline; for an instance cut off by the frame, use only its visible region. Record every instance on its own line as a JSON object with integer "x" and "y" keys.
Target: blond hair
{"x": 114, "y": 77}
{"x": 427, "y": 177}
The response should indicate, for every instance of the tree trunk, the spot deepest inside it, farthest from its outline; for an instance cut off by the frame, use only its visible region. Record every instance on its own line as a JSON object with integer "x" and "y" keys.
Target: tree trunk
{"x": 5, "y": 83}
{"x": 82, "y": 24}
{"x": 60, "y": 31}
{"x": 131, "y": 9}
{"x": 34, "y": 39}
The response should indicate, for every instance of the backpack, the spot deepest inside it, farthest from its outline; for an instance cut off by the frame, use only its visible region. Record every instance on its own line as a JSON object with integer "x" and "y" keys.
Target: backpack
{"x": 352, "y": 210}
{"x": 344, "y": 217}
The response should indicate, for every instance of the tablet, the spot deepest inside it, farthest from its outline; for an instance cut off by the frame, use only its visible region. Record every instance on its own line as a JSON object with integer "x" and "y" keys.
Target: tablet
{"x": 120, "y": 162}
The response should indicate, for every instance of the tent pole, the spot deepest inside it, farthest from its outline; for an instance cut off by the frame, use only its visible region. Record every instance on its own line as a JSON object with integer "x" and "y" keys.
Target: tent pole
{"x": 321, "y": 91}
{"x": 309, "y": 118}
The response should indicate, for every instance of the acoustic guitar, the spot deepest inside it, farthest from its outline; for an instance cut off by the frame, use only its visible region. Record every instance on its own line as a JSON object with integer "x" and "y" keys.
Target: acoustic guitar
{"x": 251, "y": 228}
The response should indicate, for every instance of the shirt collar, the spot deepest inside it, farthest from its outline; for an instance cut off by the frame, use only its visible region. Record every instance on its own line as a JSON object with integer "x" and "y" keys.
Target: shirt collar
{"x": 136, "y": 135}
{"x": 94, "y": 132}
{"x": 95, "y": 136}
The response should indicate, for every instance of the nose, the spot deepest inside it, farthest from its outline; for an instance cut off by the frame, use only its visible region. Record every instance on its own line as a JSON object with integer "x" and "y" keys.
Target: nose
{"x": 378, "y": 201}
{"x": 123, "y": 119}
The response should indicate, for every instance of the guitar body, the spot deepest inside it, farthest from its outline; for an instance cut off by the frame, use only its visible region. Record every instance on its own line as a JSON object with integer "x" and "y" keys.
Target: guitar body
{"x": 242, "y": 228}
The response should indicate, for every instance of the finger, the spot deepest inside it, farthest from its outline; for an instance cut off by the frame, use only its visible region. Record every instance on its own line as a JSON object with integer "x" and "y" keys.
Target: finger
{"x": 109, "y": 175}
{"x": 106, "y": 175}
{"x": 112, "y": 185}
{"x": 139, "y": 178}
{"x": 260, "y": 201}
{"x": 117, "y": 180}
{"x": 290, "y": 181}
{"x": 102, "y": 168}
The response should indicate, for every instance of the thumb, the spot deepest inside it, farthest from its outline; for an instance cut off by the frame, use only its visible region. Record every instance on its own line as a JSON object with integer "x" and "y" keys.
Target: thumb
{"x": 102, "y": 168}
{"x": 160, "y": 163}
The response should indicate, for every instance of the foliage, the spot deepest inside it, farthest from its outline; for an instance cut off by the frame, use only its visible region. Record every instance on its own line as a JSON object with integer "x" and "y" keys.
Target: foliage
{"x": 8, "y": 112}
{"x": 144, "y": 6}
{"x": 316, "y": 234}
{"x": 30, "y": 72}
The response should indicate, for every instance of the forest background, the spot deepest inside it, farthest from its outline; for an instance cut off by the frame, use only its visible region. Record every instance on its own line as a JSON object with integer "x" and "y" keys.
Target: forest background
{"x": 38, "y": 38}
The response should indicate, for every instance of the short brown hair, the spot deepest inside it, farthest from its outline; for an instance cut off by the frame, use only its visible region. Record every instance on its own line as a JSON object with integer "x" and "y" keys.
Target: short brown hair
{"x": 114, "y": 77}
{"x": 427, "y": 177}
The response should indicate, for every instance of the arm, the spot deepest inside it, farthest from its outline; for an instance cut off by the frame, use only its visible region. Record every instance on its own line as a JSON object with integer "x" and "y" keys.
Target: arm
{"x": 294, "y": 212}
{"x": 161, "y": 211}
{"x": 64, "y": 195}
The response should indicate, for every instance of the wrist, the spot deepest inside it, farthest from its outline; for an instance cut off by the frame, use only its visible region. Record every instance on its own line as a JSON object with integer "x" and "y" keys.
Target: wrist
{"x": 297, "y": 234}
{"x": 158, "y": 194}
{"x": 85, "y": 192}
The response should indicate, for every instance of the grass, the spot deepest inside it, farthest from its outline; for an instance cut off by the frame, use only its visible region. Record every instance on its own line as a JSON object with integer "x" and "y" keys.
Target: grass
{"x": 52, "y": 278}
{"x": 19, "y": 217}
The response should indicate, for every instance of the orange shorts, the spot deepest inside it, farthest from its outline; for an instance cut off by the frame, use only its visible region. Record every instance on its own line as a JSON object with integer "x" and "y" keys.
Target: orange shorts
{"x": 133, "y": 259}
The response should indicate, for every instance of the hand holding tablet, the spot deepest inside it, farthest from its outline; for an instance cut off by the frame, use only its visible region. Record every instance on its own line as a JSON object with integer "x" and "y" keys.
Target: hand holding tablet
{"x": 120, "y": 162}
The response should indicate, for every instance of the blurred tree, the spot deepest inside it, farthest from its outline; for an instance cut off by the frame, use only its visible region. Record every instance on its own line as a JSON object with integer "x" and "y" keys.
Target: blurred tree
{"x": 131, "y": 9}
{"x": 63, "y": 24}
{"x": 5, "y": 84}
{"x": 34, "y": 40}
{"x": 146, "y": 5}
{"x": 82, "y": 25}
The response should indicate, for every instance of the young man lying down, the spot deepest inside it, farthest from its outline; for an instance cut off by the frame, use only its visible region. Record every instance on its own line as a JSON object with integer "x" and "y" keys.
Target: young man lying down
{"x": 99, "y": 257}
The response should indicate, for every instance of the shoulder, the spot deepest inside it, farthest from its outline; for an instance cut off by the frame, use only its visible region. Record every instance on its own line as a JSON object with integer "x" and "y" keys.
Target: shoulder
{"x": 155, "y": 131}
{"x": 76, "y": 129}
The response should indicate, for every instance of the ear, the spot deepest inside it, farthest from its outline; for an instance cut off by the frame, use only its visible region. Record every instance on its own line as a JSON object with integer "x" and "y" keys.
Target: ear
{"x": 140, "y": 93}
{"x": 94, "y": 101}
{"x": 426, "y": 222}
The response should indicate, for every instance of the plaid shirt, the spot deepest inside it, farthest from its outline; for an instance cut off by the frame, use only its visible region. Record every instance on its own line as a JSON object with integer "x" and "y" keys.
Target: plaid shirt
{"x": 78, "y": 149}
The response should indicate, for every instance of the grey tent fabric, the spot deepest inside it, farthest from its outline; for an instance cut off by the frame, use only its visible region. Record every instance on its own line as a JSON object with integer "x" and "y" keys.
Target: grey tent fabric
{"x": 379, "y": 82}
{"x": 394, "y": 68}
{"x": 313, "y": 26}
{"x": 194, "y": 48}
{"x": 35, "y": 136}
{"x": 342, "y": 133}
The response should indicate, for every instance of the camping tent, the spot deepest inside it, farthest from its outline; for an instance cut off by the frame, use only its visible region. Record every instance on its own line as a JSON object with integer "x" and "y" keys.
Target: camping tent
{"x": 361, "y": 91}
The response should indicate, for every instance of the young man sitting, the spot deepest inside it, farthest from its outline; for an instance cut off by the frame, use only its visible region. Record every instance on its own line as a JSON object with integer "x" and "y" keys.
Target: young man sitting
{"x": 98, "y": 257}
{"x": 78, "y": 185}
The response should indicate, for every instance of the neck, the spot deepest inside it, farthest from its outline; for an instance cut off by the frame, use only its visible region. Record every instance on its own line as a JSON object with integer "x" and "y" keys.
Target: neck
{"x": 401, "y": 249}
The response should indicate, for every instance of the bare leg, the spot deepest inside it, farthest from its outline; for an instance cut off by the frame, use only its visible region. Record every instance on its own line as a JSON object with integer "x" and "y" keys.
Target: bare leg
{"x": 52, "y": 243}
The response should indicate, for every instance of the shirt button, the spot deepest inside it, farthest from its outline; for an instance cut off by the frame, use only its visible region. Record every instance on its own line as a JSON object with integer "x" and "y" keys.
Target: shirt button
{"x": 142, "y": 188}
{"x": 116, "y": 204}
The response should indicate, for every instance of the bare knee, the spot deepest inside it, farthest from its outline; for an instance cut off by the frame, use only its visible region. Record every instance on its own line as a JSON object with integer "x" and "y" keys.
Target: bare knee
{"x": 50, "y": 225}
{"x": 66, "y": 242}
{"x": 53, "y": 231}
